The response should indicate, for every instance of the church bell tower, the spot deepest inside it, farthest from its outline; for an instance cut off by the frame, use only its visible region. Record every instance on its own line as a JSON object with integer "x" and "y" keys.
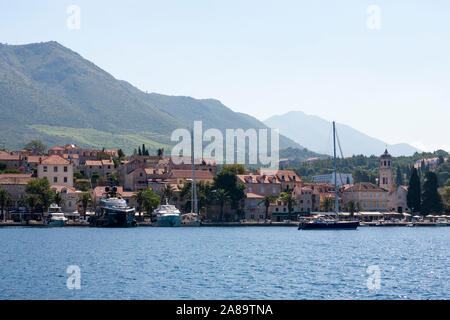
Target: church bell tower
{"x": 386, "y": 175}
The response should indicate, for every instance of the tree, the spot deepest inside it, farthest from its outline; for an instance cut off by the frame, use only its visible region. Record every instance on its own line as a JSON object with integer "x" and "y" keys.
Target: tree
{"x": 431, "y": 199}
{"x": 85, "y": 201}
{"x": 160, "y": 152}
{"x": 267, "y": 200}
{"x": 352, "y": 207}
{"x": 446, "y": 199}
{"x": 121, "y": 154}
{"x": 77, "y": 175}
{"x": 227, "y": 181}
{"x": 36, "y": 147}
{"x": 327, "y": 204}
{"x": 398, "y": 177}
{"x": 168, "y": 192}
{"x": 151, "y": 201}
{"x": 33, "y": 202}
{"x": 58, "y": 199}
{"x": 94, "y": 178}
{"x": 43, "y": 194}
{"x": 236, "y": 169}
{"x": 139, "y": 197}
{"x": 289, "y": 200}
{"x": 221, "y": 197}
{"x": 139, "y": 151}
{"x": 5, "y": 199}
{"x": 413, "y": 197}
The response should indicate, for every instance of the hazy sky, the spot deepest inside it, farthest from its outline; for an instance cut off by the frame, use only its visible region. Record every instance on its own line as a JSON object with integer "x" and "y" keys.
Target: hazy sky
{"x": 269, "y": 57}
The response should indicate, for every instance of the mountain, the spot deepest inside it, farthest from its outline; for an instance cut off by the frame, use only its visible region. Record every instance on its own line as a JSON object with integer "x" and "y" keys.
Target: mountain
{"x": 51, "y": 93}
{"x": 316, "y": 134}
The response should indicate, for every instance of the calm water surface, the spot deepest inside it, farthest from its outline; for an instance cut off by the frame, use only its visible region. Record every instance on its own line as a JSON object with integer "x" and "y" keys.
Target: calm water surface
{"x": 225, "y": 263}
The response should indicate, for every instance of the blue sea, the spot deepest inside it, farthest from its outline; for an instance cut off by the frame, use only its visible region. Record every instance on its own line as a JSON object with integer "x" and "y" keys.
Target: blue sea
{"x": 225, "y": 263}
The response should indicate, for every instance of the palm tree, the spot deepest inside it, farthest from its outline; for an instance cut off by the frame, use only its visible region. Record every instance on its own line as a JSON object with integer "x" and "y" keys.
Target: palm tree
{"x": 5, "y": 199}
{"x": 327, "y": 203}
{"x": 221, "y": 197}
{"x": 58, "y": 199}
{"x": 139, "y": 197}
{"x": 351, "y": 207}
{"x": 267, "y": 200}
{"x": 168, "y": 192}
{"x": 289, "y": 200}
{"x": 85, "y": 201}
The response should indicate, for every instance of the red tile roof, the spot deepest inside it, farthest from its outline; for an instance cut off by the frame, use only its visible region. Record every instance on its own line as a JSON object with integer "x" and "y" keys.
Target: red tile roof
{"x": 187, "y": 174}
{"x": 55, "y": 159}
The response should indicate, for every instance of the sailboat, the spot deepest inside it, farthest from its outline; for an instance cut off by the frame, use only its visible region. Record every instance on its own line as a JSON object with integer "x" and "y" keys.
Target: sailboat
{"x": 330, "y": 223}
{"x": 192, "y": 219}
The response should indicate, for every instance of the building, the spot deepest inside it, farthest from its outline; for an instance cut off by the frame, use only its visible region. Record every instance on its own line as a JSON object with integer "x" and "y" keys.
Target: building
{"x": 71, "y": 198}
{"x": 11, "y": 160}
{"x": 368, "y": 196}
{"x": 261, "y": 184}
{"x": 57, "y": 170}
{"x": 15, "y": 185}
{"x": 342, "y": 178}
{"x": 307, "y": 200}
{"x": 185, "y": 163}
{"x": 180, "y": 177}
{"x": 430, "y": 163}
{"x": 102, "y": 167}
{"x": 83, "y": 154}
{"x": 386, "y": 174}
{"x": 288, "y": 178}
{"x": 397, "y": 201}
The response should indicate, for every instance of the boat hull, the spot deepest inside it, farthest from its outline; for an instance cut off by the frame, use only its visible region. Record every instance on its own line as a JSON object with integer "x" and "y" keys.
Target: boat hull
{"x": 168, "y": 221}
{"x": 56, "y": 223}
{"x": 343, "y": 225}
{"x": 114, "y": 219}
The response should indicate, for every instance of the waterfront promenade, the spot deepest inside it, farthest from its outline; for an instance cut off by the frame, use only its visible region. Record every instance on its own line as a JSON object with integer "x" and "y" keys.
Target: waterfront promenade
{"x": 229, "y": 224}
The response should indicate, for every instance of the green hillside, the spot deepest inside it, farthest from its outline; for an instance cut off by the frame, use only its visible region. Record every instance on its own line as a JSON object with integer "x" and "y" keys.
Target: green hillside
{"x": 51, "y": 93}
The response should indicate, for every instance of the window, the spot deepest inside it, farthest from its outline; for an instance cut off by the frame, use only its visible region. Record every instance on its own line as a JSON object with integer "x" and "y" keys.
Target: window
{"x": 45, "y": 168}
{"x": 65, "y": 168}
{"x": 65, "y": 179}
{"x": 55, "y": 179}
{"x": 55, "y": 169}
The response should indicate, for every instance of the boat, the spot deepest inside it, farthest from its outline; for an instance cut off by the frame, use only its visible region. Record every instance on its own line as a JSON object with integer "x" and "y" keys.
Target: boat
{"x": 55, "y": 217}
{"x": 167, "y": 215}
{"x": 190, "y": 220}
{"x": 441, "y": 222}
{"x": 328, "y": 224}
{"x": 320, "y": 223}
{"x": 113, "y": 211}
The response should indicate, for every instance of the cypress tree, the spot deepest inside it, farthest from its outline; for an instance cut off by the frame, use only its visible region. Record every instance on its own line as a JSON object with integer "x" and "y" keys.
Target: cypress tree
{"x": 139, "y": 151}
{"x": 431, "y": 199}
{"x": 398, "y": 177}
{"x": 414, "y": 193}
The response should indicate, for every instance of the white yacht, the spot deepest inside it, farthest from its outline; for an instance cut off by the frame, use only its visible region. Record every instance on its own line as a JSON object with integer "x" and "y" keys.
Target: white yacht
{"x": 55, "y": 217}
{"x": 167, "y": 215}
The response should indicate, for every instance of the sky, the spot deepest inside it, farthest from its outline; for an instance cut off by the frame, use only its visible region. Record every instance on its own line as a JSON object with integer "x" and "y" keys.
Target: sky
{"x": 382, "y": 67}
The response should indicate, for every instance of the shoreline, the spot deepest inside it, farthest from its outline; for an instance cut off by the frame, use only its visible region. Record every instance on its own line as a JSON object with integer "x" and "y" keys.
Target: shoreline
{"x": 226, "y": 224}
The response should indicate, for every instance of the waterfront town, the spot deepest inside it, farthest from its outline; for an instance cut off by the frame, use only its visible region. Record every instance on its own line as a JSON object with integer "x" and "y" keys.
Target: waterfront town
{"x": 78, "y": 177}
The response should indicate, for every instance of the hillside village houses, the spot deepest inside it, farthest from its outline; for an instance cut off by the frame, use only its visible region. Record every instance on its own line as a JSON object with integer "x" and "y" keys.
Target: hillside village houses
{"x": 57, "y": 170}
{"x": 139, "y": 172}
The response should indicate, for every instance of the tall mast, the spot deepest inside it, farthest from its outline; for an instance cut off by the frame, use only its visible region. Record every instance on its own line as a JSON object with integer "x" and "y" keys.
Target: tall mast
{"x": 336, "y": 201}
{"x": 194, "y": 182}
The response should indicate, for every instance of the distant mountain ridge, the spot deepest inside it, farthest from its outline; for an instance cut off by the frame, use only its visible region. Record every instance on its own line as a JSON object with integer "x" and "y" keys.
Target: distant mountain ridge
{"x": 315, "y": 134}
{"x": 50, "y": 92}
